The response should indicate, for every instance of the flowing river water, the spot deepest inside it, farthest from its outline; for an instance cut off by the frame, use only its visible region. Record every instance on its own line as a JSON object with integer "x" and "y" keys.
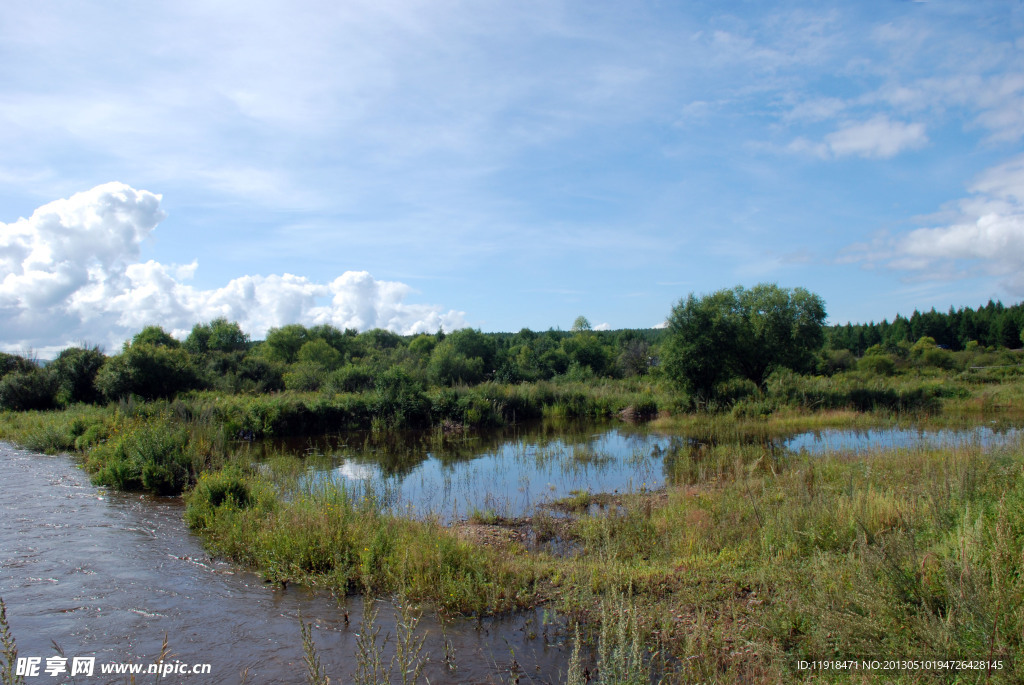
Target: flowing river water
{"x": 108, "y": 575}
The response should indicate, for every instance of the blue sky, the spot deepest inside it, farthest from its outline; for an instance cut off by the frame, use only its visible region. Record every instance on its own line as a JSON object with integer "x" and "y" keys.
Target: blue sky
{"x": 499, "y": 165}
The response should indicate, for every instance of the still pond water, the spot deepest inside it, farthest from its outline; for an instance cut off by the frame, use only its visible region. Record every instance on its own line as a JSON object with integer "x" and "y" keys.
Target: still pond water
{"x": 509, "y": 473}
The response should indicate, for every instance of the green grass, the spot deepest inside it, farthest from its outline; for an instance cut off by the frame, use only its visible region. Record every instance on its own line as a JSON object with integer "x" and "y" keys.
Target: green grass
{"x": 890, "y": 554}
{"x": 324, "y": 535}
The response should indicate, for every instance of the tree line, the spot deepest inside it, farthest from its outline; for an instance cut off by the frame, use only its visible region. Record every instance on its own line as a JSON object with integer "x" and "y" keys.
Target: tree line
{"x": 219, "y": 356}
{"x": 991, "y": 325}
{"x": 711, "y": 341}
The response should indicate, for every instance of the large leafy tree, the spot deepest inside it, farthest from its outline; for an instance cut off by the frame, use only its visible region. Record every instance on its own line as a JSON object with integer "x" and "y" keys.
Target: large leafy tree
{"x": 742, "y": 333}
{"x": 220, "y": 335}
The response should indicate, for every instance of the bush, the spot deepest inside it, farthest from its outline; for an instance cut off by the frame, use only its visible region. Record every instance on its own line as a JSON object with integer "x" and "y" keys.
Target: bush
{"x": 734, "y": 390}
{"x": 450, "y": 367}
{"x": 879, "y": 364}
{"x": 24, "y": 390}
{"x": 836, "y": 361}
{"x": 149, "y": 371}
{"x": 10, "y": 363}
{"x": 400, "y": 401}
{"x": 225, "y": 488}
{"x": 264, "y": 375}
{"x": 350, "y": 379}
{"x": 152, "y": 456}
{"x": 76, "y": 369}
{"x": 305, "y": 377}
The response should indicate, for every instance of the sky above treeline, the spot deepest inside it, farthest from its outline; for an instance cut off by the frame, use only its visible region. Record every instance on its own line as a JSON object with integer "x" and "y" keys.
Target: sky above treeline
{"x": 499, "y": 165}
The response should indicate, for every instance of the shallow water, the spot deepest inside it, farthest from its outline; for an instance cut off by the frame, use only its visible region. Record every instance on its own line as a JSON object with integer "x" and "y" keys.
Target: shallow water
{"x": 108, "y": 575}
{"x": 511, "y": 474}
{"x": 837, "y": 440}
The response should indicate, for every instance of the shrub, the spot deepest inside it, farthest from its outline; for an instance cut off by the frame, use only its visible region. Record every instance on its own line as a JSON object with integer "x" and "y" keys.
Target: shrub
{"x": 400, "y": 401}
{"x": 734, "y": 390}
{"x": 34, "y": 389}
{"x": 225, "y": 488}
{"x": 265, "y": 375}
{"x": 880, "y": 364}
{"x": 152, "y": 456}
{"x": 835, "y": 361}
{"x": 149, "y": 371}
{"x": 349, "y": 379}
{"x": 76, "y": 369}
{"x": 305, "y": 377}
{"x": 12, "y": 362}
{"x": 450, "y": 367}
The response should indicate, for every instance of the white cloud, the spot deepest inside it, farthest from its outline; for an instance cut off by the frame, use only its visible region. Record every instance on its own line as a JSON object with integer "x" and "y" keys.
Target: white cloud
{"x": 986, "y": 238}
{"x": 877, "y": 137}
{"x": 73, "y": 272}
{"x": 603, "y": 327}
{"x": 990, "y": 237}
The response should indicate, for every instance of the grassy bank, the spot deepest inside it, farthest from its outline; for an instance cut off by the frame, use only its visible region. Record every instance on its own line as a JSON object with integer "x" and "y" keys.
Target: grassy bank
{"x": 752, "y": 564}
{"x": 348, "y": 542}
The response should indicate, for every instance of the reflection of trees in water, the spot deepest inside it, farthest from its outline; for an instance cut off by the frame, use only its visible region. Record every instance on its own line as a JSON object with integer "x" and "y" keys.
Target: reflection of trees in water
{"x": 398, "y": 453}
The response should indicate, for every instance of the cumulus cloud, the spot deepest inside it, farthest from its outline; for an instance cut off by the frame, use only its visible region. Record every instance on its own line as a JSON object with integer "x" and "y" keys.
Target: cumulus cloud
{"x": 73, "y": 272}
{"x": 986, "y": 238}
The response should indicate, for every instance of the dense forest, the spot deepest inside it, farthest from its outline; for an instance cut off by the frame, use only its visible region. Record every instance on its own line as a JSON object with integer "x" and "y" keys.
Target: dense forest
{"x": 990, "y": 326}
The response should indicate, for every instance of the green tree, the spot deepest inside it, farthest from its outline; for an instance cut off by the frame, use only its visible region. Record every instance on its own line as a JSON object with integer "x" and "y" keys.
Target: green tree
{"x": 13, "y": 362}
{"x": 220, "y": 335}
{"x": 76, "y": 369}
{"x": 781, "y": 328}
{"x": 586, "y": 350}
{"x": 471, "y": 343}
{"x": 422, "y": 345}
{"x": 149, "y": 371}
{"x": 283, "y": 344}
{"x": 634, "y": 357}
{"x": 448, "y": 366}
{"x": 319, "y": 353}
{"x": 32, "y": 389}
{"x": 381, "y": 339}
{"x": 155, "y": 335}
{"x": 744, "y": 333}
{"x": 702, "y": 341}
{"x": 581, "y": 324}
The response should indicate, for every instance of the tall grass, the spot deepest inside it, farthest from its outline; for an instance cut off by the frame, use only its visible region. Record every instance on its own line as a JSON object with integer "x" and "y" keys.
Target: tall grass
{"x": 10, "y": 650}
{"x": 750, "y": 564}
{"x": 320, "y": 533}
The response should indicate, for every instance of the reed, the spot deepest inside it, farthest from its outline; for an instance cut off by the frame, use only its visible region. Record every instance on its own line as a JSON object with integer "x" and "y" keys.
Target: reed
{"x": 8, "y": 673}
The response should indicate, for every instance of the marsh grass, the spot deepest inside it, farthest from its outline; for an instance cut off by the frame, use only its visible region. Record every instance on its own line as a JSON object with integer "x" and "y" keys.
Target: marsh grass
{"x": 750, "y": 565}
{"x": 323, "y": 534}
{"x": 315, "y": 674}
{"x": 10, "y": 650}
